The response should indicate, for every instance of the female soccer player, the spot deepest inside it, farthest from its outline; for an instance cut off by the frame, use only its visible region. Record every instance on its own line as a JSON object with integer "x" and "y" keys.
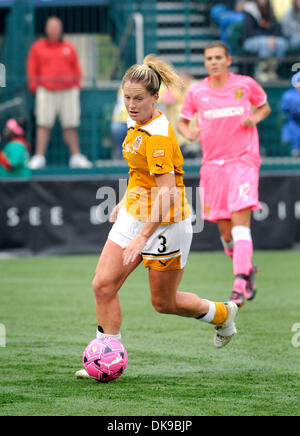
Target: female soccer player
{"x": 226, "y": 128}
{"x": 152, "y": 222}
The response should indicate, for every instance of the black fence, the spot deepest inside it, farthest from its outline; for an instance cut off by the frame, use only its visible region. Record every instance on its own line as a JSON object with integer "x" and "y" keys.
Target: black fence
{"x": 70, "y": 216}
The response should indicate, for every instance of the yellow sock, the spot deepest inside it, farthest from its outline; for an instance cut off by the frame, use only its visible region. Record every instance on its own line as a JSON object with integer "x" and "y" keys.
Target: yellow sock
{"x": 221, "y": 315}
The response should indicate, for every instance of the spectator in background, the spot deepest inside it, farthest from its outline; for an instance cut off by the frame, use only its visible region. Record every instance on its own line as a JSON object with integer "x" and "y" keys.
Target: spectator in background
{"x": 226, "y": 16}
{"x": 281, "y": 7}
{"x": 54, "y": 75}
{"x": 262, "y": 36}
{"x": 15, "y": 154}
{"x": 118, "y": 125}
{"x": 291, "y": 25}
{"x": 290, "y": 105}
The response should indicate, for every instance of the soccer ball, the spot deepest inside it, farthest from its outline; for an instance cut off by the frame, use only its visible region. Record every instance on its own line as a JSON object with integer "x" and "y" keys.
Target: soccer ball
{"x": 105, "y": 359}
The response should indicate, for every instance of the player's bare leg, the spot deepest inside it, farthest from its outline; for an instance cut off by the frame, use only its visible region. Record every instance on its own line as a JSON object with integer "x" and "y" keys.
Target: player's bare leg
{"x": 166, "y": 298}
{"x": 241, "y": 218}
{"x": 225, "y": 227}
{"x": 109, "y": 277}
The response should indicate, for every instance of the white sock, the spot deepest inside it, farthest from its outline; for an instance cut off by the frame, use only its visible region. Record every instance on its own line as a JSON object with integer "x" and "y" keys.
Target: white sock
{"x": 241, "y": 233}
{"x": 211, "y": 312}
{"x": 103, "y": 335}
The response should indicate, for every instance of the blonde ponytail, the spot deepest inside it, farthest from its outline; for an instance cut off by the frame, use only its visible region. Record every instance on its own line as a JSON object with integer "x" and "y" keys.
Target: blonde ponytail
{"x": 152, "y": 74}
{"x": 164, "y": 70}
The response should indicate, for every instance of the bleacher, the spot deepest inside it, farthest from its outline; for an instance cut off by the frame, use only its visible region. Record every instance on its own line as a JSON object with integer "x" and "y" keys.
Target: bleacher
{"x": 183, "y": 30}
{"x": 104, "y": 34}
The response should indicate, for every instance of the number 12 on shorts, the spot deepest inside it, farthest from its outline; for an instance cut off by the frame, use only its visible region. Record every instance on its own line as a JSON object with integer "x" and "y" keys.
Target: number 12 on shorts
{"x": 244, "y": 191}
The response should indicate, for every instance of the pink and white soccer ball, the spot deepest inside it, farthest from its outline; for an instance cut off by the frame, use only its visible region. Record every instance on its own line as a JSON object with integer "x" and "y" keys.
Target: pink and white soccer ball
{"x": 105, "y": 359}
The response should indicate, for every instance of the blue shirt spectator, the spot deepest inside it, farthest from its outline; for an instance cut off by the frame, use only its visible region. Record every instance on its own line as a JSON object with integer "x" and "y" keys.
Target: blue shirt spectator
{"x": 226, "y": 16}
{"x": 290, "y": 105}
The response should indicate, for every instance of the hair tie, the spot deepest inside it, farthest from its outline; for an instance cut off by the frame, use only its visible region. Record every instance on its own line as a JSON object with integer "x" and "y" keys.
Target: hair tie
{"x": 158, "y": 75}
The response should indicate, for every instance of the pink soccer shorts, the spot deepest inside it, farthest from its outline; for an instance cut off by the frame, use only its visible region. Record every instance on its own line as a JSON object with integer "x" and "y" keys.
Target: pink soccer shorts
{"x": 227, "y": 187}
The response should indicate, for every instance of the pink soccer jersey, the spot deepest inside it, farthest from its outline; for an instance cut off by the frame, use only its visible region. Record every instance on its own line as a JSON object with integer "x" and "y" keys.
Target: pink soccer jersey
{"x": 220, "y": 113}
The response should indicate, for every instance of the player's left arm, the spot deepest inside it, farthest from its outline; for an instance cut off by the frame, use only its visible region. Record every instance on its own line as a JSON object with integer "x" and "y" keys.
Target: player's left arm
{"x": 259, "y": 115}
{"x": 259, "y": 100}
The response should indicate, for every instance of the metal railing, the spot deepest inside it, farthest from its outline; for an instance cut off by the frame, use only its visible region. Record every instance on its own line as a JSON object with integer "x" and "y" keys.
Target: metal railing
{"x": 134, "y": 26}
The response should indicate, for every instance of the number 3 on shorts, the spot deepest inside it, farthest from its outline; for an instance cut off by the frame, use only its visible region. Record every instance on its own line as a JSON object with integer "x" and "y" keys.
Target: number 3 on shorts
{"x": 163, "y": 244}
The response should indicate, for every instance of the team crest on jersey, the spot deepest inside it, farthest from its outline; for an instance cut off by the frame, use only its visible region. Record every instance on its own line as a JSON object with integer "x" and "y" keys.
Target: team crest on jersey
{"x": 207, "y": 208}
{"x": 137, "y": 143}
{"x": 239, "y": 94}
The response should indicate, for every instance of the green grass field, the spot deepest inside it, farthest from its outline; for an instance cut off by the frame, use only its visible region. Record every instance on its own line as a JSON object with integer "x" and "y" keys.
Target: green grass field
{"x": 46, "y": 305}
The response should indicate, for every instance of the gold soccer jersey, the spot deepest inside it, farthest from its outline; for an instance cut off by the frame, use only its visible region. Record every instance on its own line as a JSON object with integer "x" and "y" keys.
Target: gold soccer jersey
{"x": 152, "y": 149}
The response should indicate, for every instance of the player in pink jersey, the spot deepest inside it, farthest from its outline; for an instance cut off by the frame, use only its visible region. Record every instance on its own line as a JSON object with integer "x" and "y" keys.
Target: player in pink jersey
{"x": 226, "y": 127}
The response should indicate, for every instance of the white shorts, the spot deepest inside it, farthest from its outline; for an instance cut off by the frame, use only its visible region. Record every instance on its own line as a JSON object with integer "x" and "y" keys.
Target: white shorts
{"x": 62, "y": 104}
{"x": 166, "y": 250}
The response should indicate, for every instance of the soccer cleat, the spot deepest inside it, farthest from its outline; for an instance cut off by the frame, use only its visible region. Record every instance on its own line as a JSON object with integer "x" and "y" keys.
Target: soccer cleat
{"x": 226, "y": 331}
{"x": 237, "y": 298}
{"x": 251, "y": 288}
{"x": 82, "y": 374}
